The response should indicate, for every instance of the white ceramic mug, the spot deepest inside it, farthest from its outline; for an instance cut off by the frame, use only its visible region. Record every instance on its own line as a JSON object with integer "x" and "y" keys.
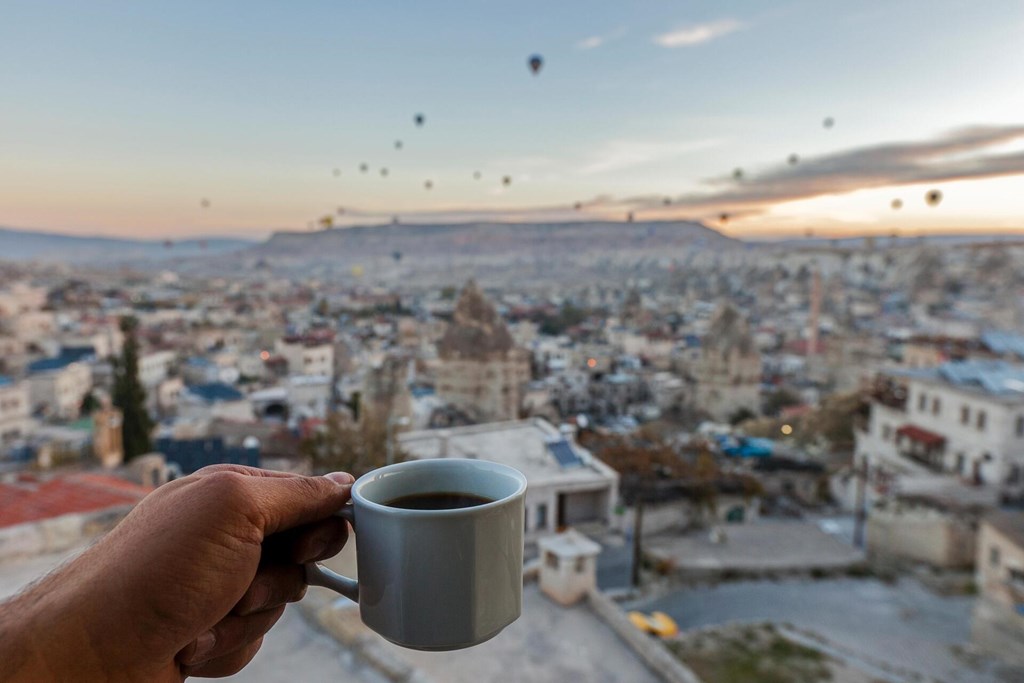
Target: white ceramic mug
{"x": 435, "y": 579}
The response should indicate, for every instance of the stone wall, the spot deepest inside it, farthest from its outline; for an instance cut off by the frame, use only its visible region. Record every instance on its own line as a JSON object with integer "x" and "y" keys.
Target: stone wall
{"x": 650, "y": 650}
{"x": 931, "y": 537}
{"x": 59, "y": 533}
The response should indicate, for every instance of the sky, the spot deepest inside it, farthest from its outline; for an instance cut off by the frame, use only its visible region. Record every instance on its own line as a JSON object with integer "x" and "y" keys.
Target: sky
{"x": 121, "y": 118}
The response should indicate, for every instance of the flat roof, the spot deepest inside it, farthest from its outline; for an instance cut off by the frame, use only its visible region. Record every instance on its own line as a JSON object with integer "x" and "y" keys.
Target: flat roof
{"x": 522, "y": 444}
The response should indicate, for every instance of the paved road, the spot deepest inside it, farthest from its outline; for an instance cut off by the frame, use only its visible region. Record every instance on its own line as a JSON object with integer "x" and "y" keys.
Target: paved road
{"x": 614, "y": 564}
{"x": 902, "y": 624}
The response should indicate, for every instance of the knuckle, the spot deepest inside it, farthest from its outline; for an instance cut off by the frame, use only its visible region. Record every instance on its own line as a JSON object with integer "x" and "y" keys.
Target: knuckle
{"x": 227, "y": 485}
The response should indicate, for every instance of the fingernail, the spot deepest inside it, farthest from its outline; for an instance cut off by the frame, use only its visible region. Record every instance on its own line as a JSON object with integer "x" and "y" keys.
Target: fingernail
{"x": 340, "y": 477}
{"x": 204, "y": 646}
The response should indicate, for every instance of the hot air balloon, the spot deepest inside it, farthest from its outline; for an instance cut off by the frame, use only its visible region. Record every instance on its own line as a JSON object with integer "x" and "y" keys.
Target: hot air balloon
{"x": 394, "y": 220}
{"x": 419, "y": 119}
{"x": 535, "y": 62}
{"x": 933, "y": 198}
{"x": 577, "y": 206}
{"x": 828, "y": 122}
{"x": 327, "y": 222}
{"x": 723, "y": 218}
{"x": 383, "y": 173}
{"x": 737, "y": 174}
{"x": 364, "y": 168}
{"x": 341, "y": 210}
{"x": 357, "y": 270}
{"x": 666, "y": 201}
{"x": 397, "y": 255}
{"x": 428, "y": 184}
{"x": 205, "y": 203}
{"x": 506, "y": 181}
{"x": 629, "y": 217}
{"x": 794, "y": 159}
{"x": 398, "y": 144}
{"x": 896, "y": 204}
{"x": 476, "y": 175}
{"x": 337, "y": 172}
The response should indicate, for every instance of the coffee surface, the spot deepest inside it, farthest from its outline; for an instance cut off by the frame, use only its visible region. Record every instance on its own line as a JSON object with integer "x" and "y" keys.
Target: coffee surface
{"x": 439, "y": 500}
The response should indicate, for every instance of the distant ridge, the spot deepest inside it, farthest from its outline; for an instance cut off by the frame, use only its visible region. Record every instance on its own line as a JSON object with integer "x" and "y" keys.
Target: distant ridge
{"x": 488, "y": 239}
{"x": 23, "y": 245}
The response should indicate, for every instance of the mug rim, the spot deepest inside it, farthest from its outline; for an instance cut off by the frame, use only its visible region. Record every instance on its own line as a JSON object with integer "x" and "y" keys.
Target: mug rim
{"x": 358, "y": 497}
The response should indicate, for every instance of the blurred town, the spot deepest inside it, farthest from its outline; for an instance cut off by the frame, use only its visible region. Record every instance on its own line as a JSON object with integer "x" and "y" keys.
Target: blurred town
{"x": 793, "y": 461}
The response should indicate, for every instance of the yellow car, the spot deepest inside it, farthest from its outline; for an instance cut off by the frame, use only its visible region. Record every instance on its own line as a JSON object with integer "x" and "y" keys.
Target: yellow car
{"x": 657, "y": 624}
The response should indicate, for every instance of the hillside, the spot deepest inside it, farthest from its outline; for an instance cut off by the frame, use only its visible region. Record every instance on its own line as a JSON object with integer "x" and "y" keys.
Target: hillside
{"x": 23, "y": 245}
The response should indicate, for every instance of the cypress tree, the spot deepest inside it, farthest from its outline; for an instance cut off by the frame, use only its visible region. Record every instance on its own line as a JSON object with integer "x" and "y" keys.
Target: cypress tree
{"x": 130, "y": 396}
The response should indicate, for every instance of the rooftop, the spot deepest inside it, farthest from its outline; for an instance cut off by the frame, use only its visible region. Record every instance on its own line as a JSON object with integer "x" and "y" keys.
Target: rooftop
{"x": 996, "y": 378}
{"x": 524, "y": 445}
{"x": 31, "y": 500}
{"x": 1003, "y": 342}
{"x": 215, "y": 391}
{"x": 569, "y": 544}
{"x": 67, "y": 356}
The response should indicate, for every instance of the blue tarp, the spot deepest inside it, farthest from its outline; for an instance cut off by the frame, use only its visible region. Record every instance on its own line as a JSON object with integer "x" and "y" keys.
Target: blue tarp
{"x": 746, "y": 447}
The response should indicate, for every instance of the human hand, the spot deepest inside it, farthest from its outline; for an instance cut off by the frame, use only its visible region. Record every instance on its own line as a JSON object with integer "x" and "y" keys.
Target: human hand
{"x": 187, "y": 584}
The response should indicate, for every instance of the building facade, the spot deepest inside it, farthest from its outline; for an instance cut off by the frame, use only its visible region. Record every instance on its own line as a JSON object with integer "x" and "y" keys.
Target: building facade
{"x": 481, "y": 371}
{"x": 15, "y": 411}
{"x": 728, "y": 374}
{"x": 960, "y": 418}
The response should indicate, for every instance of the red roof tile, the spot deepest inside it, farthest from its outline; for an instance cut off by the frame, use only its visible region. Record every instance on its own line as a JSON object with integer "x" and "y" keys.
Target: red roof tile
{"x": 31, "y": 501}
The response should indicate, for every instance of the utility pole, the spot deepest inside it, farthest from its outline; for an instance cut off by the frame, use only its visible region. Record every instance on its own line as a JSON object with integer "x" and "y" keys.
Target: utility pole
{"x": 638, "y": 525}
{"x": 861, "y": 513}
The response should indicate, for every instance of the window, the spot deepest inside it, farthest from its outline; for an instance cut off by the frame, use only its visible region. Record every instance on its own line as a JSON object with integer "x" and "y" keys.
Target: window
{"x": 542, "y": 516}
{"x": 886, "y": 432}
{"x": 981, "y": 420}
{"x": 993, "y": 556}
{"x": 965, "y": 415}
{"x": 551, "y": 560}
{"x": 961, "y": 460}
{"x": 1014, "y": 476}
{"x": 922, "y": 402}
{"x": 936, "y": 406}
{"x": 581, "y": 565}
{"x": 1019, "y": 426}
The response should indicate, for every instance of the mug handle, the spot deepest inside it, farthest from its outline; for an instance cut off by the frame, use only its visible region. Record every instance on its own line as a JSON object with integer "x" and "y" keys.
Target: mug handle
{"x": 319, "y": 575}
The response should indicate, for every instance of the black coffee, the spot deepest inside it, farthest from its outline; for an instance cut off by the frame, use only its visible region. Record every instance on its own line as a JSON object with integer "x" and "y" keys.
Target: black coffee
{"x": 438, "y": 501}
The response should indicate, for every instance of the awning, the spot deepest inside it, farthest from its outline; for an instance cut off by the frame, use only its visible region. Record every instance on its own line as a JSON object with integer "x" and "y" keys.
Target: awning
{"x": 921, "y": 436}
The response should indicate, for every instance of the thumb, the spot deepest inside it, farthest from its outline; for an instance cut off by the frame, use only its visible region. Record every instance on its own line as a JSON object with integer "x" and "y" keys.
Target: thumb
{"x": 289, "y": 502}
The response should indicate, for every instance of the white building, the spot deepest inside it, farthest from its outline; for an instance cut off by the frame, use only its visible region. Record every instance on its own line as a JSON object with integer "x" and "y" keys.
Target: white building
{"x": 566, "y": 485}
{"x": 15, "y": 411}
{"x": 154, "y": 366}
{"x": 59, "y": 391}
{"x": 307, "y": 357}
{"x": 964, "y": 418}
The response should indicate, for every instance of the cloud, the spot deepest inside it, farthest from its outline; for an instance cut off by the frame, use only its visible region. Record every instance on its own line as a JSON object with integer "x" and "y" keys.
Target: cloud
{"x": 621, "y": 154}
{"x": 697, "y": 34}
{"x": 971, "y": 153}
{"x": 596, "y": 41}
{"x": 962, "y": 154}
